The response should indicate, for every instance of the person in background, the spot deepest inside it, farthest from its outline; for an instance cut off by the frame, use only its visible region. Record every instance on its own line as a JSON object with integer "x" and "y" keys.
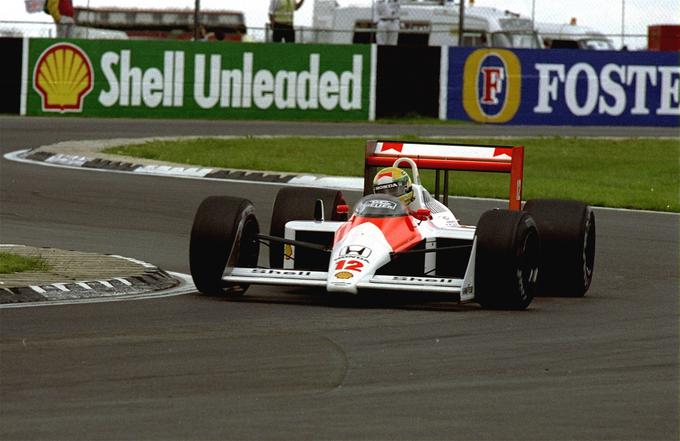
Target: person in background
{"x": 386, "y": 15}
{"x": 62, "y": 13}
{"x": 281, "y": 19}
{"x": 204, "y": 34}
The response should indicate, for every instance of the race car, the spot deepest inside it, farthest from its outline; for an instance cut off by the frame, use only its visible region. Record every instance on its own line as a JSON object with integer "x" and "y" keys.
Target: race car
{"x": 386, "y": 243}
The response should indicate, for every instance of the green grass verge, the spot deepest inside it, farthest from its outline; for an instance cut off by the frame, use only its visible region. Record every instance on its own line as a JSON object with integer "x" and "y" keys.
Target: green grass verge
{"x": 627, "y": 173}
{"x": 12, "y": 263}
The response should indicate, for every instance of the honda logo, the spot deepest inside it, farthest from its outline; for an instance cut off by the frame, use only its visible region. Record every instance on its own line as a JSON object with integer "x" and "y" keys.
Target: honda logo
{"x": 356, "y": 250}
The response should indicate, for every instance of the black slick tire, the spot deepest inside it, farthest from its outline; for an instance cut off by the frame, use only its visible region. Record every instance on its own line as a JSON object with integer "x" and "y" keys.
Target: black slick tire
{"x": 567, "y": 232}
{"x": 223, "y": 235}
{"x": 297, "y": 203}
{"x": 506, "y": 262}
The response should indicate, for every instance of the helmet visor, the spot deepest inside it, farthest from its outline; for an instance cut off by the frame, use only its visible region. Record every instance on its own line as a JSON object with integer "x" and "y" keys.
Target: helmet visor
{"x": 392, "y": 188}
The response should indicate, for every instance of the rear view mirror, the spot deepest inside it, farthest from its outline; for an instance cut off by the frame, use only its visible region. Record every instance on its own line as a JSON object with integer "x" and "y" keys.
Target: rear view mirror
{"x": 422, "y": 214}
{"x": 342, "y": 210}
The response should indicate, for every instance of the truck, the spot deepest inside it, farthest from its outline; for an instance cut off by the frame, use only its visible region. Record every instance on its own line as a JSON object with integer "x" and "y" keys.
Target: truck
{"x": 572, "y": 36}
{"x": 424, "y": 23}
{"x": 175, "y": 24}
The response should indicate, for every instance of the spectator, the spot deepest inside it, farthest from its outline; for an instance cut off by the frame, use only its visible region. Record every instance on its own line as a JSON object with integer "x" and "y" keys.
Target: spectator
{"x": 281, "y": 19}
{"x": 204, "y": 35}
{"x": 386, "y": 13}
{"x": 62, "y": 13}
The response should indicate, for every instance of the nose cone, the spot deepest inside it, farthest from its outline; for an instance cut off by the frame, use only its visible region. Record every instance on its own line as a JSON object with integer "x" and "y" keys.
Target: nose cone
{"x": 356, "y": 257}
{"x": 343, "y": 281}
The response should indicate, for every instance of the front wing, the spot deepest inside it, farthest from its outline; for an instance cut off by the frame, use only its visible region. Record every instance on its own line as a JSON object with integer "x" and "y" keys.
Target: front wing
{"x": 461, "y": 288}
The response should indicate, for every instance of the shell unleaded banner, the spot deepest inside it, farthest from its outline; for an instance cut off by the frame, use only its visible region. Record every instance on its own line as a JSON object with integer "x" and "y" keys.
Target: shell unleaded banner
{"x": 564, "y": 87}
{"x": 200, "y": 80}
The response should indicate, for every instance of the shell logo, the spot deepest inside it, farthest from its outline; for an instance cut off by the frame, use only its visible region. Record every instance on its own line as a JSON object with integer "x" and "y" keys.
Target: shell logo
{"x": 63, "y": 77}
{"x": 287, "y": 251}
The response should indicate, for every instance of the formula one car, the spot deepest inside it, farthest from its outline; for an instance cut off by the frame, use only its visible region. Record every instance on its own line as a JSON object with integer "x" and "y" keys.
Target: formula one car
{"x": 548, "y": 247}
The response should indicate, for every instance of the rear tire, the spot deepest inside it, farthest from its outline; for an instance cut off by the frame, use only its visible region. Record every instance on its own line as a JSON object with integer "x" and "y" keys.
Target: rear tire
{"x": 297, "y": 203}
{"x": 567, "y": 233}
{"x": 506, "y": 263}
{"x": 224, "y": 235}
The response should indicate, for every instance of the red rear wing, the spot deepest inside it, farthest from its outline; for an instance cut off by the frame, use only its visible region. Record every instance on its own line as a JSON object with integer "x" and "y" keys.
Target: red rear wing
{"x": 501, "y": 159}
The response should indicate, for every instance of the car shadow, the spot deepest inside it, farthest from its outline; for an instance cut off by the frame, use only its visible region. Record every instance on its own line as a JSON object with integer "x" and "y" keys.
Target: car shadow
{"x": 317, "y": 297}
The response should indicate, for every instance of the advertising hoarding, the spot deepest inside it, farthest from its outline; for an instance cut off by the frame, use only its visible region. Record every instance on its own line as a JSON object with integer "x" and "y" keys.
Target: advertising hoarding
{"x": 564, "y": 87}
{"x": 197, "y": 80}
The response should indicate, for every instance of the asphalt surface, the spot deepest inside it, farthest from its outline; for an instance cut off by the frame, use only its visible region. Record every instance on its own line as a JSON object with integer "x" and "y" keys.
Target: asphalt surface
{"x": 286, "y": 364}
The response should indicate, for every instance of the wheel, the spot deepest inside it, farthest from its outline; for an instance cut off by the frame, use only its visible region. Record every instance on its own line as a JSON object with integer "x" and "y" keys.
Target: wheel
{"x": 223, "y": 236}
{"x": 297, "y": 203}
{"x": 506, "y": 261}
{"x": 567, "y": 233}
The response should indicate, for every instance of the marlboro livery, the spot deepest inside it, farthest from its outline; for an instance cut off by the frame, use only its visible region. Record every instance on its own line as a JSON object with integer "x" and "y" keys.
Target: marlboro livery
{"x": 384, "y": 244}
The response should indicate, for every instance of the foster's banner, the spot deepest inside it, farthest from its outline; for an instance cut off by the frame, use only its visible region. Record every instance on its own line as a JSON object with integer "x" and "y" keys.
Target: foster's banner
{"x": 203, "y": 80}
{"x": 564, "y": 87}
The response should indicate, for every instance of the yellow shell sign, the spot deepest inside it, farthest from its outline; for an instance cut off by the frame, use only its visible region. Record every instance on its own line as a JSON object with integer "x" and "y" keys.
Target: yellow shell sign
{"x": 287, "y": 251}
{"x": 63, "y": 76}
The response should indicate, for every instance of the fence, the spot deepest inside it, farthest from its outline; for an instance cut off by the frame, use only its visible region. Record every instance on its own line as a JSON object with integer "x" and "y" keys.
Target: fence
{"x": 622, "y": 22}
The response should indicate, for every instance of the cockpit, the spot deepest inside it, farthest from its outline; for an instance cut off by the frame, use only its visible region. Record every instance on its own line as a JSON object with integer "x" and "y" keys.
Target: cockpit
{"x": 380, "y": 205}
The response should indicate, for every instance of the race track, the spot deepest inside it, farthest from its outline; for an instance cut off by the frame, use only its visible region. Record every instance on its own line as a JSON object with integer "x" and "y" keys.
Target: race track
{"x": 288, "y": 364}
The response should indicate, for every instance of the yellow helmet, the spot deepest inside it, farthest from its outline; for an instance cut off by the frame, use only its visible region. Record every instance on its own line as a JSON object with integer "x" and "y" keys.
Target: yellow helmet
{"x": 394, "y": 181}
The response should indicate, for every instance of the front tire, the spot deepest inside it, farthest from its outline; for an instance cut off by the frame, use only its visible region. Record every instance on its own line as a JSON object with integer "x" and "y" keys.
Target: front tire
{"x": 506, "y": 263}
{"x": 224, "y": 235}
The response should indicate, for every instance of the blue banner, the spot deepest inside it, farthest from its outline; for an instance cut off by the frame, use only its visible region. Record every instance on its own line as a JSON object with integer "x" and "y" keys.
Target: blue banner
{"x": 564, "y": 87}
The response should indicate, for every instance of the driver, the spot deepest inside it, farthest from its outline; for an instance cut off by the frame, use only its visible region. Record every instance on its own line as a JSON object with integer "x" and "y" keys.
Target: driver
{"x": 395, "y": 182}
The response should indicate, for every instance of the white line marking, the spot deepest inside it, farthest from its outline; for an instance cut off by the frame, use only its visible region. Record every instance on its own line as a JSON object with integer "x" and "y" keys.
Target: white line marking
{"x": 105, "y": 283}
{"x": 38, "y": 289}
{"x": 84, "y": 285}
{"x": 73, "y": 160}
{"x": 123, "y": 281}
{"x": 138, "y": 262}
{"x": 61, "y": 287}
{"x": 166, "y": 170}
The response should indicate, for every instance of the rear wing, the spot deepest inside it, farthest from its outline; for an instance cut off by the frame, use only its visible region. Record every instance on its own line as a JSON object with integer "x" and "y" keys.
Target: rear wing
{"x": 445, "y": 157}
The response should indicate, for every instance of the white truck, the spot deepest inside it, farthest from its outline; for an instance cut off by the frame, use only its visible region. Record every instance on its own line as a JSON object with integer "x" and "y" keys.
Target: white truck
{"x": 424, "y": 22}
{"x": 572, "y": 36}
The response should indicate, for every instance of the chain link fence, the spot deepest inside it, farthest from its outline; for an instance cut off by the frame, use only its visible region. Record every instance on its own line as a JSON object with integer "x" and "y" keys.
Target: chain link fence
{"x": 606, "y": 24}
{"x": 27, "y": 29}
{"x": 624, "y": 22}
{"x": 609, "y": 24}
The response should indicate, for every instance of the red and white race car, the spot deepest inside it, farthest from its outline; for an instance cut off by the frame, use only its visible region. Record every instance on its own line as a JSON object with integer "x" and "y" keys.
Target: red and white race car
{"x": 548, "y": 247}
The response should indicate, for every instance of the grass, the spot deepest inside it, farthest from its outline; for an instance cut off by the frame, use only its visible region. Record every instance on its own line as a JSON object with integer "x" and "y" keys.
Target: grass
{"x": 626, "y": 173}
{"x": 12, "y": 263}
